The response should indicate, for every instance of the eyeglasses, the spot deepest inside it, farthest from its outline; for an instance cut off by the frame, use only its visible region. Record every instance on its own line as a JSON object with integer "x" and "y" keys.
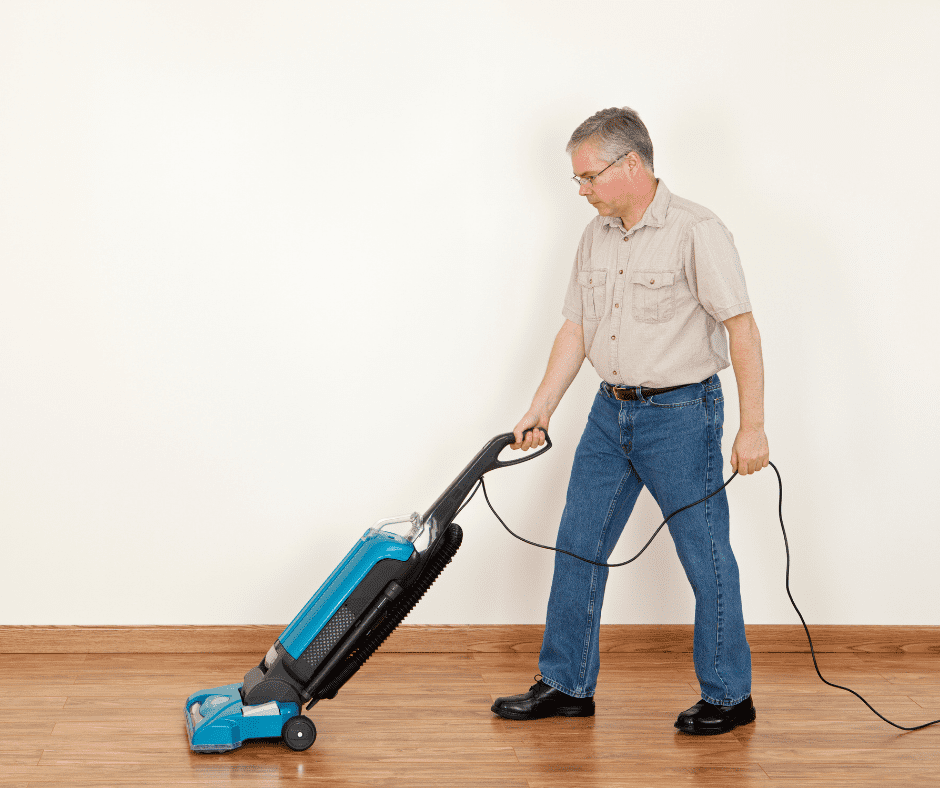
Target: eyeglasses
{"x": 589, "y": 180}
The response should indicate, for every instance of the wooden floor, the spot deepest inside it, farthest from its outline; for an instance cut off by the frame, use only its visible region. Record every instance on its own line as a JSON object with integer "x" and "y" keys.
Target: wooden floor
{"x": 424, "y": 720}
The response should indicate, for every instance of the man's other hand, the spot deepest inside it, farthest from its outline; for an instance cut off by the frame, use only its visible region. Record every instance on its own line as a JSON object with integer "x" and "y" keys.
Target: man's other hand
{"x": 750, "y": 451}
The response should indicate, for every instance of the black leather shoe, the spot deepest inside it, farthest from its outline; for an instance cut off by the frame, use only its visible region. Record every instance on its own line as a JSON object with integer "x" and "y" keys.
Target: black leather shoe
{"x": 542, "y": 701}
{"x": 707, "y": 719}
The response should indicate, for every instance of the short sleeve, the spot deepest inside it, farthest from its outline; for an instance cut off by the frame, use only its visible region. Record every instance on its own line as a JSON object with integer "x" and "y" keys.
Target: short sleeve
{"x": 719, "y": 276}
{"x": 572, "y": 305}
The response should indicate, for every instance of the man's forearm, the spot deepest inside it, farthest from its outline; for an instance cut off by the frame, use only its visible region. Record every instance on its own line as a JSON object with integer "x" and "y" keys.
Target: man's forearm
{"x": 748, "y": 363}
{"x": 565, "y": 360}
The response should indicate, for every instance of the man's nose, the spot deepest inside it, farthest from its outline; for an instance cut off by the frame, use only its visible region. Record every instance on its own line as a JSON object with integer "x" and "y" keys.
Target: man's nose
{"x": 584, "y": 190}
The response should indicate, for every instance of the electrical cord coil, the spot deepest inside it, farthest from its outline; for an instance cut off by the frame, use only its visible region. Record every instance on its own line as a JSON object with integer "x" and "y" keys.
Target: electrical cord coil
{"x": 786, "y": 546}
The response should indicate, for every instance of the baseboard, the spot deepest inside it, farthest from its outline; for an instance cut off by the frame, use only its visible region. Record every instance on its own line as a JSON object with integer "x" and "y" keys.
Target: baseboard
{"x": 518, "y": 638}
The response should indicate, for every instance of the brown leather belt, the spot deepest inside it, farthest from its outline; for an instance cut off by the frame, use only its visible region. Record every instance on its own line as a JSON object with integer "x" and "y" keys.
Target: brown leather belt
{"x": 625, "y": 393}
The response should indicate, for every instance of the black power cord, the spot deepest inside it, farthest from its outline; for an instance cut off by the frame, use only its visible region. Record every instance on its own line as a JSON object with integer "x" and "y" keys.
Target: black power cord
{"x": 785, "y": 545}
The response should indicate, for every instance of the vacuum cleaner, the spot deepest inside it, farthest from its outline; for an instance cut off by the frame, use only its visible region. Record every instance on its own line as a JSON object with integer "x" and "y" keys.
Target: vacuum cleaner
{"x": 358, "y": 606}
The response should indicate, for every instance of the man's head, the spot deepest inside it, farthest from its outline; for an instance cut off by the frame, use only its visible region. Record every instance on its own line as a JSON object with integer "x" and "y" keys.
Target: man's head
{"x": 612, "y": 154}
{"x": 615, "y": 132}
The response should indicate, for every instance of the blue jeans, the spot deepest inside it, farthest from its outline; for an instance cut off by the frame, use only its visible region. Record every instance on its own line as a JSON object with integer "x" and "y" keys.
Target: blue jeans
{"x": 670, "y": 443}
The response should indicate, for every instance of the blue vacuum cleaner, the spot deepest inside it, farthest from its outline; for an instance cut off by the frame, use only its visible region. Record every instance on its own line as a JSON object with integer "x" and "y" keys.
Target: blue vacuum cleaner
{"x": 358, "y": 606}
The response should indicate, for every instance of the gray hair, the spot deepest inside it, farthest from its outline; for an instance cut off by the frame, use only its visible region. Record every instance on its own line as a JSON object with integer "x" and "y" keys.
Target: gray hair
{"x": 616, "y": 131}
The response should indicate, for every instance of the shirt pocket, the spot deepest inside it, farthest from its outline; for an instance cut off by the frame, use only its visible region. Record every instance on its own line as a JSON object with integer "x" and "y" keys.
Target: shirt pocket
{"x": 593, "y": 293}
{"x": 654, "y": 296}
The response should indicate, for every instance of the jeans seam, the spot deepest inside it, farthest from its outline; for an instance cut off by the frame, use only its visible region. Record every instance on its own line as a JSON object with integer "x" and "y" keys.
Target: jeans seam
{"x": 722, "y": 702}
{"x": 589, "y": 630}
{"x": 567, "y": 690}
{"x": 686, "y": 404}
{"x": 620, "y": 425}
{"x": 586, "y": 651}
{"x": 708, "y": 524}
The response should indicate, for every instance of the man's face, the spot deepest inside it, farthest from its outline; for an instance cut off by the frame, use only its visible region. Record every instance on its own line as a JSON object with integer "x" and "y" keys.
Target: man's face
{"x": 609, "y": 191}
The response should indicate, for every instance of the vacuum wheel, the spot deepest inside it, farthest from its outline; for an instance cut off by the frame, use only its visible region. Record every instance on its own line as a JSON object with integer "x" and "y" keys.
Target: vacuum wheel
{"x": 299, "y": 733}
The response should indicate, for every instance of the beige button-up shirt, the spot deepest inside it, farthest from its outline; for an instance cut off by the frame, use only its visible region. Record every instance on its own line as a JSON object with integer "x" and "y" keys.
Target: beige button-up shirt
{"x": 651, "y": 299}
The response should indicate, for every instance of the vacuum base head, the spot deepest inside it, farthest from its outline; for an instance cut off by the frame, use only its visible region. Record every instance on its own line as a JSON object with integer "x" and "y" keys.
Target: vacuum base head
{"x": 218, "y": 721}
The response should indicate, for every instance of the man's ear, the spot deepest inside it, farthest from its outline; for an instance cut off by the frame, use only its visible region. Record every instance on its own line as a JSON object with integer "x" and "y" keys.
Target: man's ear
{"x": 634, "y": 164}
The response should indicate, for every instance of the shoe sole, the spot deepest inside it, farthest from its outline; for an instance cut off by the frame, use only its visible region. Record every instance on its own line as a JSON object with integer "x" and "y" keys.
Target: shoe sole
{"x": 718, "y": 731}
{"x": 562, "y": 711}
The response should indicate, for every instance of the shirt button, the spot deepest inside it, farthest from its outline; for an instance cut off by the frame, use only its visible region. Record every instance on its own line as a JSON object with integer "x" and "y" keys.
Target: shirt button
{"x": 616, "y": 306}
{"x": 621, "y": 270}
{"x": 614, "y": 337}
{"x": 652, "y": 281}
{"x": 615, "y": 372}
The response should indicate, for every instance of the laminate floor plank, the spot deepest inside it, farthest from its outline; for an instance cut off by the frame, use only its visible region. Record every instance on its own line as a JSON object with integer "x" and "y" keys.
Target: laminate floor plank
{"x": 15, "y": 704}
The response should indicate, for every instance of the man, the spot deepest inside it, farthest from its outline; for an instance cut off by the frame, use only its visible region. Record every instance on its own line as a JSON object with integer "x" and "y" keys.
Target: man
{"x": 655, "y": 283}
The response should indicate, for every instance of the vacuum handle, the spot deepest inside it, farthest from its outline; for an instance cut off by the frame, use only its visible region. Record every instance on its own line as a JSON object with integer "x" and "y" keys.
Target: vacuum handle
{"x": 444, "y": 509}
{"x": 500, "y": 442}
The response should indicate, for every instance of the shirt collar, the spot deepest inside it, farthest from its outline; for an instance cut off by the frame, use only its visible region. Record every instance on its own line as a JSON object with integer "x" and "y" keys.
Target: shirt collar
{"x": 653, "y": 216}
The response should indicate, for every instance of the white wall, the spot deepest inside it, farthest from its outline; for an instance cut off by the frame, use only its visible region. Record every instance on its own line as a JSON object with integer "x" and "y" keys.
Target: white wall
{"x": 274, "y": 271}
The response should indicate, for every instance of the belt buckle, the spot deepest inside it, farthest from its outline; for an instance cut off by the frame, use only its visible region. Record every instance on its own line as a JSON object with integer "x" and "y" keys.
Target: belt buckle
{"x": 625, "y": 391}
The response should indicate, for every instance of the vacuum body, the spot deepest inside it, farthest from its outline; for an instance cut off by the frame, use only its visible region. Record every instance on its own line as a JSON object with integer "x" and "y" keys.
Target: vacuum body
{"x": 355, "y": 609}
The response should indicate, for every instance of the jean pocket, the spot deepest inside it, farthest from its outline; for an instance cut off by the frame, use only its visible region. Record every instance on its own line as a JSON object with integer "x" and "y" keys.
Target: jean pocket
{"x": 678, "y": 398}
{"x": 593, "y": 293}
{"x": 654, "y": 297}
